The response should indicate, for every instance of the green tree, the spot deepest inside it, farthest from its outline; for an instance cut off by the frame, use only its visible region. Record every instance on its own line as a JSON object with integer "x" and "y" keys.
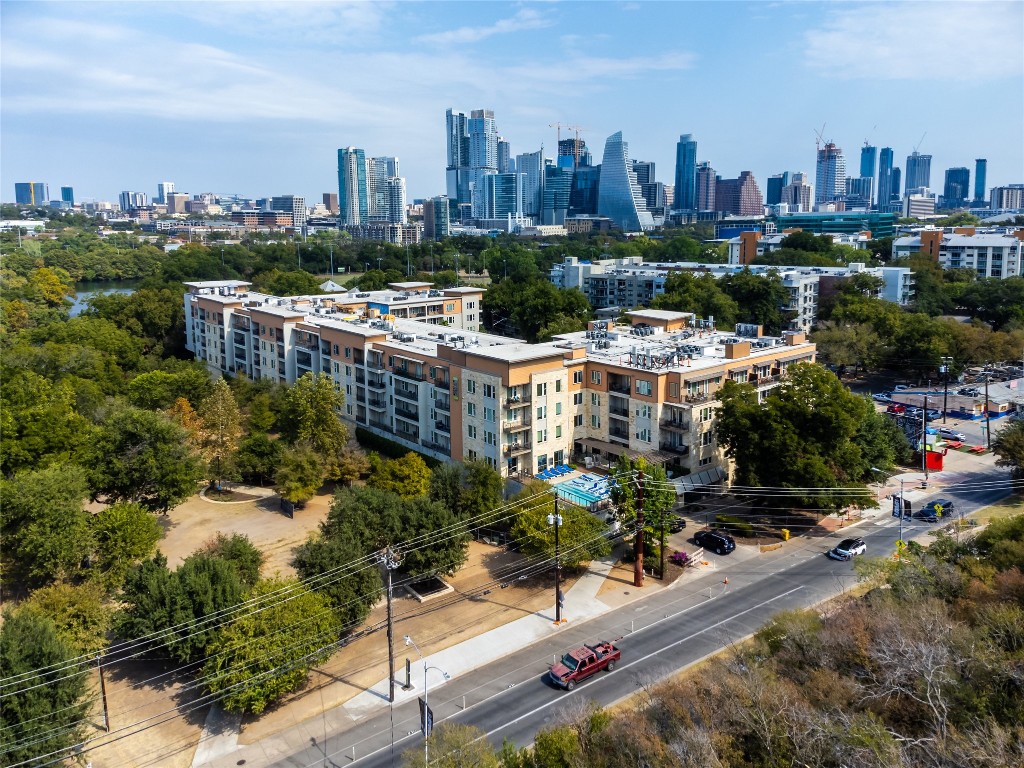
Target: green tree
{"x": 482, "y": 490}
{"x": 446, "y": 484}
{"x": 759, "y": 299}
{"x": 1008, "y": 446}
{"x": 454, "y": 745}
{"x": 333, "y": 566}
{"x": 44, "y": 711}
{"x": 142, "y": 457}
{"x": 848, "y": 344}
{"x": 79, "y": 612}
{"x": 407, "y": 477}
{"x": 238, "y": 550}
{"x": 659, "y": 495}
{"x": 222, "y": 429}
{"x": 702, "y": 295}
{"x": 259, "y": 657}
{"x": 45, "y": 527}
{"x": 299, "y": 474}
{"x": 258, "y": 458}
{"x": 352, "y": 465}
{"x": 278, "y": 283}
{"x": 261, "y": 413}
{"x": 311, "y": 411}
{"x": 157, "y": 390}
{"x": 581, "y": 534}
{"x": 124, "y": 534}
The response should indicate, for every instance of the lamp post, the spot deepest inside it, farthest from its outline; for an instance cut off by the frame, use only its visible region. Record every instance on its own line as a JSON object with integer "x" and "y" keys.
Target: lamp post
{"x": 944, "y": 370}
{"x": 428, "y": 719}
{"x": 556, "y": 520}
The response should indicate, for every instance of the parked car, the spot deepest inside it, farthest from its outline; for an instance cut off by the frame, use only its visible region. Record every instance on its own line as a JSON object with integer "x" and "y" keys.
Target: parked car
{"x": 900, "y": 387}
{"x": 882, "y": 397}
{"x": 933, "y": 414}
{"x": 847, "y": 549}
{"x": 718, "y": 542}
{"x": 580, "y": 663}
{"x": 933, "y": 511}
{"x": 676, "y": 524}
{"x": 912, "y": 410}
{"x": 952, "y": 434}
{"x": 896, "y": 408}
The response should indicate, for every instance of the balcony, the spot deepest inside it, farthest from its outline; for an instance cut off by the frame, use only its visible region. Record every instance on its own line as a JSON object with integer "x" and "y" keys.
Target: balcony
{"x": 701, "y": 397}
{"x": 303, "y": 359}
{"x": 413, "y": 435}
{"x": 239, "y": 339}
{"x": 516, "y": 449}
{"x": 615, "y": 409}
{"x": 379, "y": 403}
{"x": 682, "y": 450}
{"x": 518, "y": 425}
{"x": 407, "y": 412}
{"x": 360, "y": 377}
{"x": 408, "y": 393}
{"x": 444, "y": 384}
{"x": 443, "y": 404}
{"x": 376, "y": 382}
{"x": 439, "y": 447}
{"x": 619, "y": 384}
{"x": 519, "y": 399}
{"x": 618, "y": 434}
{"x": 443, "y": 426}
{"x": 406, "y": 373}
{"x": 675, "y": 424}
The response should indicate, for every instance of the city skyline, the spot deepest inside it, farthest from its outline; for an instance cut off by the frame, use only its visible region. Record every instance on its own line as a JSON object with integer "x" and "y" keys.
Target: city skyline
{"x": 229, "y": 99}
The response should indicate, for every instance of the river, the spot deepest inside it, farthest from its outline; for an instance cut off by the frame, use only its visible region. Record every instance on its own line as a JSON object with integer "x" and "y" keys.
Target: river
{"x": 86, "y": 289}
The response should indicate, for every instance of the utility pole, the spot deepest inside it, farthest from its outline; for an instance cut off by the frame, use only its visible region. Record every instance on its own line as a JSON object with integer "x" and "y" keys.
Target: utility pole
{"x": 390, "y": 559}
{"x": 903, "y": 509}
{"x": 988, "y": 419}
{"x": 944, "y": 368}
{"x": 924, "y": 439}
{"x": 556, "y": 520}
{"x": 638, "y": 543}
{"x": 103, "y": 693}
{"x": 331, "y": 249}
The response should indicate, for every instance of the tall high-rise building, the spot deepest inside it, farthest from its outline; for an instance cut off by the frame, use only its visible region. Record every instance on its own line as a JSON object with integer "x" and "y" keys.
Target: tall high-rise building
{"x": 740, "y": 196}
{"x": 705, "y": 188}
{"x": 919, "y": 171}
{"x": 956, "y": 188}
{"x": 331, "y": 202}
{"x": 654, "y": 196}
{"x": 132, "y": 200}
{"x": 378, "y": 171}
{"x": 830, "y": 176}
{"x": 896, "y": 176}
{"x": 980, "y": 172}
{"x": 868, "y": 165}
{"x": 858, "y": 192}
{"x": 504, "y": 156}
{"x": 163, "y": 189}
{"x": 1010, "y": 196}
{"x": 577, "y": 150}
{"x": 67, "y": 195}
{"x": 644, "y": 172}
{"x": 557, "y": 193}
{"x": 394, "y": 196}
{"x": 774, "y": 187}
{"x": 797, "y": 194}
{"x": 436, "y": 218}
{"x": 586, "y": 183}
{"x": 618, "y": 195}
{"x": 291, "y": 204}
{"x": 483, "y": 140}
{"x": 686, "y": 174}
{"x": 885, "y": 185}
{"x": 31, "y": 193}
{"x": 353, "y": 202}
{"x": 504, "y": 195}
{"x": 531, "y": 167}
{"x": 457, "y": 169}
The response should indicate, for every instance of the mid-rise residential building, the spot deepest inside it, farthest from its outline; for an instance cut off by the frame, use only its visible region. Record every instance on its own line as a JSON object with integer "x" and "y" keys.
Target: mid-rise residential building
{"x": 629, "y": 282}
{"x": 1011, "y": 196}
{"x": 619, "y": 196}
{"x": 830, "y": 174}
{"x": 648, "y": 388}
{"x": 989, "y": 253}
{"x": 919, "y": 171}
{"x": 917, "y": 203}
{"x": 436, "y": 218}
{"x": 392, "y": 232}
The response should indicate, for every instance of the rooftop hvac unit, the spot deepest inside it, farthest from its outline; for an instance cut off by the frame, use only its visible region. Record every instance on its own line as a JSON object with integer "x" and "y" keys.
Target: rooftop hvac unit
{"x": 362, "y": 295}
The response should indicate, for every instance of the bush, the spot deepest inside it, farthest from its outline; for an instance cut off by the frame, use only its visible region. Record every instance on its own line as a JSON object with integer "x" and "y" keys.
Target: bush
{"x": 735, "y": 526}
{"x": 389, "y": 448}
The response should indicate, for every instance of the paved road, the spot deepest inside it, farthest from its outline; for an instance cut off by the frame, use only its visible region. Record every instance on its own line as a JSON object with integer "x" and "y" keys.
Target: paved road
{"x": 670, "y": 630}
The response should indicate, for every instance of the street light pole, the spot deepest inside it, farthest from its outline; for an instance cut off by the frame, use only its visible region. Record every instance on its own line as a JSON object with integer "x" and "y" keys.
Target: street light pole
{"x": 556, "y": 520}
{"x": 944, "y": 368}
{"x": 428, "y": 722}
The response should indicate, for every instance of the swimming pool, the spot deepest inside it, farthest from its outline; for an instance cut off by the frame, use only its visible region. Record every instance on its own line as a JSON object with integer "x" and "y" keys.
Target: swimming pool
{"x": 585, "y": 490}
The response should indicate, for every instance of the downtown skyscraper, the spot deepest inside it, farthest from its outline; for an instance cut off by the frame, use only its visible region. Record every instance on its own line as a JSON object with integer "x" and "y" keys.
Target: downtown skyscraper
{"x": 919, "y": 171}
{"x": 868, "y": 166}
{"x": 686, "y": 174}
{"x": 888, "y": 185}
{"x": 830, "y": 176}
{"x": 353, "y": 203}
{"x": 619, "y": 196}
{"x": 472, "y": 155}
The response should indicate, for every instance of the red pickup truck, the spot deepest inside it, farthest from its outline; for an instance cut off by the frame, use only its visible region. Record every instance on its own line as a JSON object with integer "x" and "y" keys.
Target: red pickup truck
{"x": 580, "y": 663}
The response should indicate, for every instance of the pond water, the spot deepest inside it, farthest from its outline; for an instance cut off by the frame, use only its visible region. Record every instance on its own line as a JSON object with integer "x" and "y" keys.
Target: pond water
{"x": 86, "y": 289}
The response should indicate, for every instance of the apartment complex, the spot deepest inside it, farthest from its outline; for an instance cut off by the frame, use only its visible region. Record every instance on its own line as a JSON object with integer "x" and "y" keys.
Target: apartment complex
{"x": 992, "y": 253}
{"x": 646, "y": 389}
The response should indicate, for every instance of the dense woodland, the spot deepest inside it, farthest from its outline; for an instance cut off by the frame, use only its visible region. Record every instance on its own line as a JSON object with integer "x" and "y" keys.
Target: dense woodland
{"x": 108, "y": 408}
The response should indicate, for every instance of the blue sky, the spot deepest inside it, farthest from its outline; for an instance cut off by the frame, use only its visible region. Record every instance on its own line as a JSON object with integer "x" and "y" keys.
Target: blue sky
{"x": 256, "y": 97}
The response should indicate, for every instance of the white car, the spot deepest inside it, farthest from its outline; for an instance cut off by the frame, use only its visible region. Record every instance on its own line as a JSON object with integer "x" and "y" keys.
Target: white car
{"x": 881, "y": 397}
{"x": 952, "y": 434}
{"x": 847, "y": 549}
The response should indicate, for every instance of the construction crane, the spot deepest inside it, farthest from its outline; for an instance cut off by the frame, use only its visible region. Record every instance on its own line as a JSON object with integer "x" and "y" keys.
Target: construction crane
{"x": 576, "y": 144}
{"x": 867, "y": 141}
{"x": 920, "y": 141}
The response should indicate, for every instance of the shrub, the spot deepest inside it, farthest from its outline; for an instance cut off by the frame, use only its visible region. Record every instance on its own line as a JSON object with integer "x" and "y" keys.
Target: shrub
{"x": 734, "y": 525}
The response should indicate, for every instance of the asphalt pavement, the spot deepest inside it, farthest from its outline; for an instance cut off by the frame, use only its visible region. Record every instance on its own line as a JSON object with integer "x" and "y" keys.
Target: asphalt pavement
{"x": 511, "y": 698}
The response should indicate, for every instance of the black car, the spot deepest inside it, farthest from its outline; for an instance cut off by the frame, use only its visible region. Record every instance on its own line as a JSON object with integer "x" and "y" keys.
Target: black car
{"x": 675, "y": 524}
{"x": 931, "y": 511}
{"x": 718, "y": 542}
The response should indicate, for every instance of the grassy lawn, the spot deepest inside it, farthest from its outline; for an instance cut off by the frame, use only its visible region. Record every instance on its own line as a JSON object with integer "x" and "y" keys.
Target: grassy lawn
{"x": 1014, "y": 505}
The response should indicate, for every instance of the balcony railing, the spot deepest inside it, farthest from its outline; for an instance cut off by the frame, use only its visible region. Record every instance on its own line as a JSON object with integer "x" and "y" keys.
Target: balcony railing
{"x": 380, "y": 403}
{"x": 615, "y": 410}
{"x": 443, "y": 426}
{"x": 412, "y": 414}
{"x": 621, "y": 387}
{"x": 519, "y": 425}
{"x": 618, "y": 435}
{"x": 406, "y": 393}
{"x": 518, "y": 401}
{"x": 515, "y": 449}
{"x": 679, "y": 425}
{"x": 376, "y": 382}
{"x": 682, "y": 450}
{"x": 443, "y": 405}
{"x": 405, "y": 373}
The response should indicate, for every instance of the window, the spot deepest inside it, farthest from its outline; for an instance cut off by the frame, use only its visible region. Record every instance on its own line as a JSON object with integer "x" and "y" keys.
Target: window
{"x": 490, "y": 438}
{"x": 577, "y": 377}
{"x": 739, "y": 376}
{"x": 542, "y": 389}
{"x": 707, "y": 438}
{"x": 595, "y": 399}
{"x": 578, "y": 421}
{"x": 471, "y": 432}
{"x": 337, "y": 369}
{"x": 542, "y": 412}
{"x": 449, "y": 307}
{"x": 471, "y": 454}
{"x": 558, "y": 431}
{"x": 595, "y": 421}
{"x": 673, "y": 389}
{"x": 471, "y": 409}
{"x": 489, "y": 414}
{"x": 643, "y": 387}
{"x": 705, "y": 414}
{"x": 577, "y": 398}
{"x": 489, "y": 391}
{"x": 644, "y": 435}
{"x": 542, "y": 435}
{"x": 348, "y": 369}
{"x": 558, "y": 408}
{"x": 644, "y": 411}
{"x": 595, "y": 377}
{"x": 335, "y": 349}
{"x": 470, "y": 386}
{"x": 558, "y": 385}
{"x": 704, "y": 462}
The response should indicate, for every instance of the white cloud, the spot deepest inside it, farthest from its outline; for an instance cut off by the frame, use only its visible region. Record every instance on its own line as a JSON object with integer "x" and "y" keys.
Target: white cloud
{"x": 919, "y": 40}
{"x": 526, "y": 18}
